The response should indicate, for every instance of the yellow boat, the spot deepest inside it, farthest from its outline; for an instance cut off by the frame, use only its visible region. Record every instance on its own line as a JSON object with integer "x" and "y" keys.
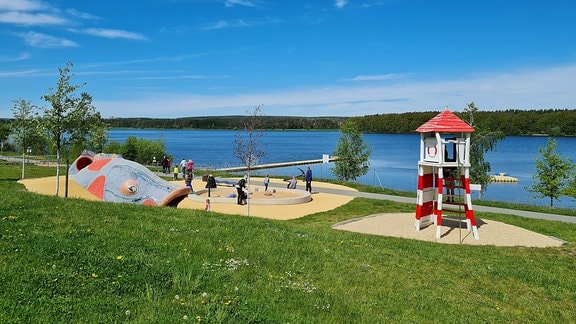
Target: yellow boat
{"x": 502, "y": 177}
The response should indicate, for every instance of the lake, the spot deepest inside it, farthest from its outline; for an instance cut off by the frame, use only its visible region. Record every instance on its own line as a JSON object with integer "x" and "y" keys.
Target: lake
{"x": 393, "y": 163}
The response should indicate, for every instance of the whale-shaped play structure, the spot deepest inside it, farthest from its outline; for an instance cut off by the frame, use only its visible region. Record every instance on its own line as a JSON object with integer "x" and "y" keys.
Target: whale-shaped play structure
{"x": 110, "y": 177}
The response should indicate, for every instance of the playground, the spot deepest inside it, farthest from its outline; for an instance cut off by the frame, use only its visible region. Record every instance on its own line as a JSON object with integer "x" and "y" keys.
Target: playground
{"x": 443, "y": 206}
{"x": 391, "y": 224}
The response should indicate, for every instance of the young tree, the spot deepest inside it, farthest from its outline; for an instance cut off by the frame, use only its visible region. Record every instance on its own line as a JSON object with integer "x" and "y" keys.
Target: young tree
{"x": 25, "y": 127}
{"x": 4, "y": 134}
{"x": 352, "y": 153}
{"x": 571, "y": 190}
{"x": 130, "y": 148}
{"x": 248, "y": 146}
{"x": 481, "y": 141}
{"x": 553, "y": 173}
{"x": 98, "y": 134}
{"x": 69, "y": 118}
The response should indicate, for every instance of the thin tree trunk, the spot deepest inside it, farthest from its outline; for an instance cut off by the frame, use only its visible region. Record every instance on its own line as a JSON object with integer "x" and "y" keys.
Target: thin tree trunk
{"x": 23, "y": 157}
{"x": 248, "y": 193}
{"x": 57, "y": 171}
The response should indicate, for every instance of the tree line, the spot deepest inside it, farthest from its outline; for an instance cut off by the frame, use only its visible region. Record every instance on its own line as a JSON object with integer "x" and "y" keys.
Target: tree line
{"x": 552, "y": 122}
{"x": 228, "y": 122}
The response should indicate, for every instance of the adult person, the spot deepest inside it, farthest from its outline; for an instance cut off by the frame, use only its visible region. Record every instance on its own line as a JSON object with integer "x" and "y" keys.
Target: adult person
{"x": 210, "y": 183}
{"x": 291, "y": 183}
{"x": 190, "y": 166}
{"x": 183, "y": 167}
{"x": 164, "y": 162}
{"x": 241, "y": 189}
{"x": 309, "y": 180}
{"x": 266, "y": 182}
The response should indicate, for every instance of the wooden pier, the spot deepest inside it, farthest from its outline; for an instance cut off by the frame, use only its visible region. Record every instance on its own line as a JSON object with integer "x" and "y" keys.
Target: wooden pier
{"x": 276, "y": 165}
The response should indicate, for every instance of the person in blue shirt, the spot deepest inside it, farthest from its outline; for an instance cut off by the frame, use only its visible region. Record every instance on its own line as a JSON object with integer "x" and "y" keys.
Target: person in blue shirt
{"x": 309, "y": 180}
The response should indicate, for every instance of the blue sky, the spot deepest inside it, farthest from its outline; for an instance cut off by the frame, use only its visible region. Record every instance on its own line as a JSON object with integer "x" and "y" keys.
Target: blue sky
{"x": 179, "y": 58}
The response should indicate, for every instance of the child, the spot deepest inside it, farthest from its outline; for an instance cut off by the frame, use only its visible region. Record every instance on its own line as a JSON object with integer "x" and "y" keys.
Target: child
{"x": 450, "y": 183}
{"x": 207, "y": 208}
{"x": 176, "y": 173}
{"x": 266, "y": 182}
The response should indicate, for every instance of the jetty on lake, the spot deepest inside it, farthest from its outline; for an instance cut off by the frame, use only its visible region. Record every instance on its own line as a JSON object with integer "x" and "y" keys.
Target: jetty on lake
{"x": 279, "y": 164}
{"x": 502, "y": 177}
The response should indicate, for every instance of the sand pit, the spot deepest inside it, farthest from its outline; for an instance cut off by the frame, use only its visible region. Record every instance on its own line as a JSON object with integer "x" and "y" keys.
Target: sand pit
{"x": 395, "y": 225}
{"x": 319, "y": 201}
{"x": 47, "y": 186}
{"x": 453, "y": 231}
{"x": 275, "y": 196}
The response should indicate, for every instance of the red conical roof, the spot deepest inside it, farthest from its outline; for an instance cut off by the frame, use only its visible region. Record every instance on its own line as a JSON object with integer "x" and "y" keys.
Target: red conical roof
{"x": 445, "y": 122}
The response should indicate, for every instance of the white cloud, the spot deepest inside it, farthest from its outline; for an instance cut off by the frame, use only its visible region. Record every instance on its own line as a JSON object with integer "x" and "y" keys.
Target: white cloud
{"x": 231, "y": 3}
{"x": 340, "y": 3}
{"x": 29, "y": 13}
{"x": 217, "y": 25}
{"x": 537, "y": 89}
{"x": 31, "y": 19}
{"x": 22, "y": 5}
{"x": 241, "y": 23}
{"x": 228, "y": 24}
{"x": 81, "y": 15}
{"x": 380, "y": 77}
{"x": 35, "y": 39}
{"x": 21, "y": 57}
{"x": 112, "y": 33}
{"x": 25, "y": 73}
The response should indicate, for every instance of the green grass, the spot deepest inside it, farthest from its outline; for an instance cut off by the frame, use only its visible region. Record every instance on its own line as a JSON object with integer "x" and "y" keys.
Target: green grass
{"x": 69, "y": 260}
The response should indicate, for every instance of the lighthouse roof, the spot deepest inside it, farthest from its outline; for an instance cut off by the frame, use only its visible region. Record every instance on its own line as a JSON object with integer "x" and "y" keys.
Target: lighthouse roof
{"x": 445, "y": 122}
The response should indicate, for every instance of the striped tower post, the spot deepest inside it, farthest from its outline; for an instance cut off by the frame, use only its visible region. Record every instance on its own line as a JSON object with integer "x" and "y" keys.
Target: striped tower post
{"x": 440, "y": 195}
{"x": 424, "y": 197}
{"x": 470, "y": 219}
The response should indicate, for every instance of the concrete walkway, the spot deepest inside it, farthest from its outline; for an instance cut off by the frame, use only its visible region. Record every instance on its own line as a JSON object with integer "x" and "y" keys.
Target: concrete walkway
{"x": 407, "y": 200}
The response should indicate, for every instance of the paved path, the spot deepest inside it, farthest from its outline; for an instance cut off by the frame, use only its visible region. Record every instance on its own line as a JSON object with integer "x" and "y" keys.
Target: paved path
{"x": 522, "y": 213}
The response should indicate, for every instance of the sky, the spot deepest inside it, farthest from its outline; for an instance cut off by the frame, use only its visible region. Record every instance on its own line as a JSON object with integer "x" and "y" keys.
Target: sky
{"x": 188, "y": 58}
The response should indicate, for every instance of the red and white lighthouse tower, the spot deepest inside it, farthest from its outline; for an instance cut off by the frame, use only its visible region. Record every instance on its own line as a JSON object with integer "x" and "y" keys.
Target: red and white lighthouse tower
{"x": 444, "y": 164}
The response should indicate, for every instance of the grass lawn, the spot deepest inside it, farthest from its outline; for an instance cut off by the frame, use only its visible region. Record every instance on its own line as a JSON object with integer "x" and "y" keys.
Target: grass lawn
{"x": 69, "y": 260}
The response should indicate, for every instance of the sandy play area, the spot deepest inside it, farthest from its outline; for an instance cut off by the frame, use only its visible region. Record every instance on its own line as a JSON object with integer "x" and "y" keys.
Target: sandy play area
{"x": 453, "y": 231}
{"x": 395, "y": 224}
{"x": 320, "y": 201}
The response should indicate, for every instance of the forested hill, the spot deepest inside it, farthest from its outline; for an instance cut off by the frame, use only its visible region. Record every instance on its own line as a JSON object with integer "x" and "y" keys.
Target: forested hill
{"x": 228, "y": 122}
{"x": 510, "y": 122}
{"x": 557, "y": 122}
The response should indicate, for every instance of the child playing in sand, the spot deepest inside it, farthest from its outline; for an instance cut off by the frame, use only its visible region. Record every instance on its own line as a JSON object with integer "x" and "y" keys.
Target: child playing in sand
{"x": 207, "y": 208}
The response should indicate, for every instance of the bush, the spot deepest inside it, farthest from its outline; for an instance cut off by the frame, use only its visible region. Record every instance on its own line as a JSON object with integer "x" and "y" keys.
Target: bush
{"x": 138, "y": 149}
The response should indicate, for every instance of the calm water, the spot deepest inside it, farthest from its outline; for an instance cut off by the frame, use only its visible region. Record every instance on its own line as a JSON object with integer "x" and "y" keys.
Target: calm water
{"x": 393, "y": 163}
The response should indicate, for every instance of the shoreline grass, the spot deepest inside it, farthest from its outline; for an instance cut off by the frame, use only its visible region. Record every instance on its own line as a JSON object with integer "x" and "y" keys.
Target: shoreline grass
{"x": 70, "y": 260}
